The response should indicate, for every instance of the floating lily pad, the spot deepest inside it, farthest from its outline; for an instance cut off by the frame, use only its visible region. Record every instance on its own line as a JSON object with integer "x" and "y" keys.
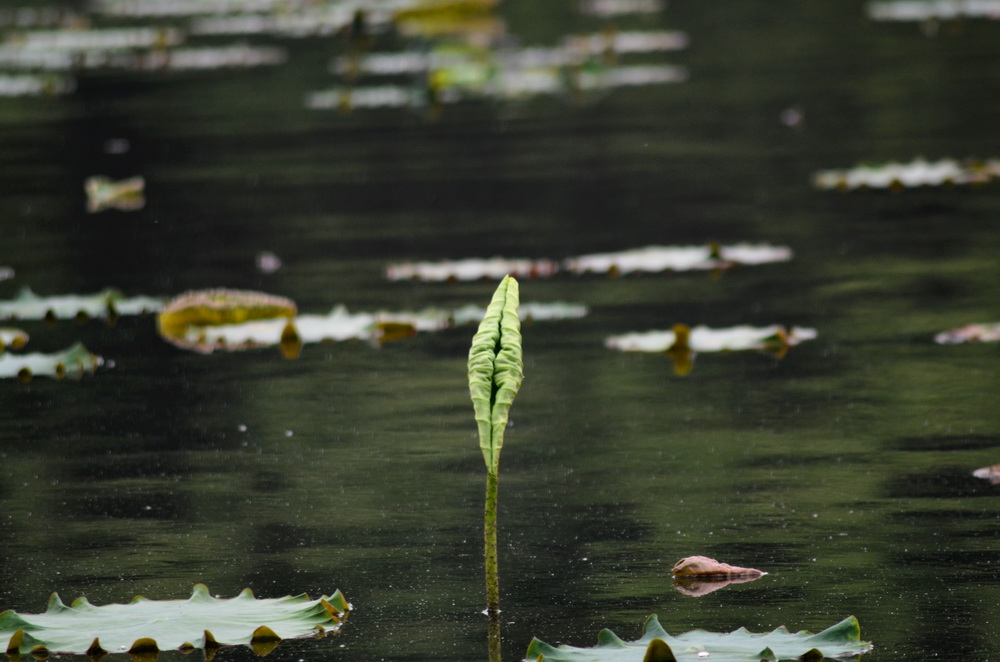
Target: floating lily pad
{"x": 342, "y": 325}
{"x": 682, "y": 343}
{"x": 655, "y": 645}
{"x": 107, "y": 304}
{"x": 183, "y": 319}
{"x": 678, "y": 258}
{"x": 924, "y": 10}
{"x": 124, "y": 195}
{"x": 13, "y": 338}
{"x": 471, "y": 269}
{"x": 648, "y": 259}
{"x": 917, "y": 173}
{"x": 146, "y": 626}
{"x": 970, "y": 333}
{"x": 75, "y": 361}
{"x": 612, "y": 8}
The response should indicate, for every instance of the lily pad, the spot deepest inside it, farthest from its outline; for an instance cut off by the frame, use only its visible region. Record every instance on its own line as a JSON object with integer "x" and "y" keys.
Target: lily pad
{"x": 124, "y": 195}
{"x": 919, "y": 172}
{"x": 145, "y": 626}
{"x": 13, "y": 338}
{"x": 74, "y": 361}
{"x": 471, "y": 269}
{"x": 678, "y": 258}
{"x": 106, "y": 304}
{"x": 682, "y": 343}
{"x": 653, "y": 259}
{"x": 655, "y": 645}
{"x": 186, "y": 314}
{"x": 927, "y": 10}
{"x": 342, "y": 325}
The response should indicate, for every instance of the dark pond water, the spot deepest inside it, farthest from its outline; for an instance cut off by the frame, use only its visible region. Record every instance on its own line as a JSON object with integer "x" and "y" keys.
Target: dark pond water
{"x": 843, "y": 469}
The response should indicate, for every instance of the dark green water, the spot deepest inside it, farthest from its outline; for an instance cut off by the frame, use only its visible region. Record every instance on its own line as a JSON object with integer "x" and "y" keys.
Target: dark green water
{"x": 844, "y": 469}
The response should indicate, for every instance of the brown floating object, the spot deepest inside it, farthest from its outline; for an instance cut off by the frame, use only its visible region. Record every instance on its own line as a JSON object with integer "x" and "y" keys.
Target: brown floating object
{"x": 703, "y": 567}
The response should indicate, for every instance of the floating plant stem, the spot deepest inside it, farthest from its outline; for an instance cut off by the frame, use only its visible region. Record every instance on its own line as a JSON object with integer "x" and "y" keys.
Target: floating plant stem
{"x": 496, "y": 369}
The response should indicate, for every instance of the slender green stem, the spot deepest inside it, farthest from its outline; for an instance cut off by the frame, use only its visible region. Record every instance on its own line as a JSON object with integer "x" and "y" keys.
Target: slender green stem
{"x": 494, "y": 637}
{"x": 490, "y": 544}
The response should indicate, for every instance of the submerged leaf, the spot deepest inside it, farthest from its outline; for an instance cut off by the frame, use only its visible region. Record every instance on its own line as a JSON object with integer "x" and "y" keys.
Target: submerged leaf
{"x": 842, "y": 639}
{"x": 143, "y": 627}
{"x": 74, "y": 361}
{"x": 496, "y": 369}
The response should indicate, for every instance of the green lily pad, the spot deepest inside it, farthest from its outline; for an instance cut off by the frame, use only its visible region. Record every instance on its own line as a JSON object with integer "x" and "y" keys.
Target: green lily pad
{"x": 13, "y": 338}
{"x": 106, "y": 304}
{"x": 655, "y": 645}
{"x": 74, "y": 361}
{"x": 916, "y": 173}
{"x": 144, "y": 626}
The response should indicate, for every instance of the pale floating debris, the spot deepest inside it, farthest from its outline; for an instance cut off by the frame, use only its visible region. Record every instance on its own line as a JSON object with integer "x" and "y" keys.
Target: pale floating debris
{"x": 704, "y": 339}
{"x": 267, "y": 262}
{"x": 696, "y": 576}
{"x": 6, "y": 273}
{"x": 610, "y": 8}
{"x": 991, "y": 474}
{"x": 106, "y": 39}
{"x": 124, "y": 195}
{"x": 106, "y": 304}
{"x": 923, "y": 10}
{"x": 678, "y": 258}
{"x": 970, "y": 333}
{"x": 117, "y": 146}
{"x": 705, "y": 567}
{"x": 13, "y": 338}
{"x": 919, "y": 172}
{"x": 471, "y": 269}
{"x": 75, "y": 361}
{"x": 35, "y": 86}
